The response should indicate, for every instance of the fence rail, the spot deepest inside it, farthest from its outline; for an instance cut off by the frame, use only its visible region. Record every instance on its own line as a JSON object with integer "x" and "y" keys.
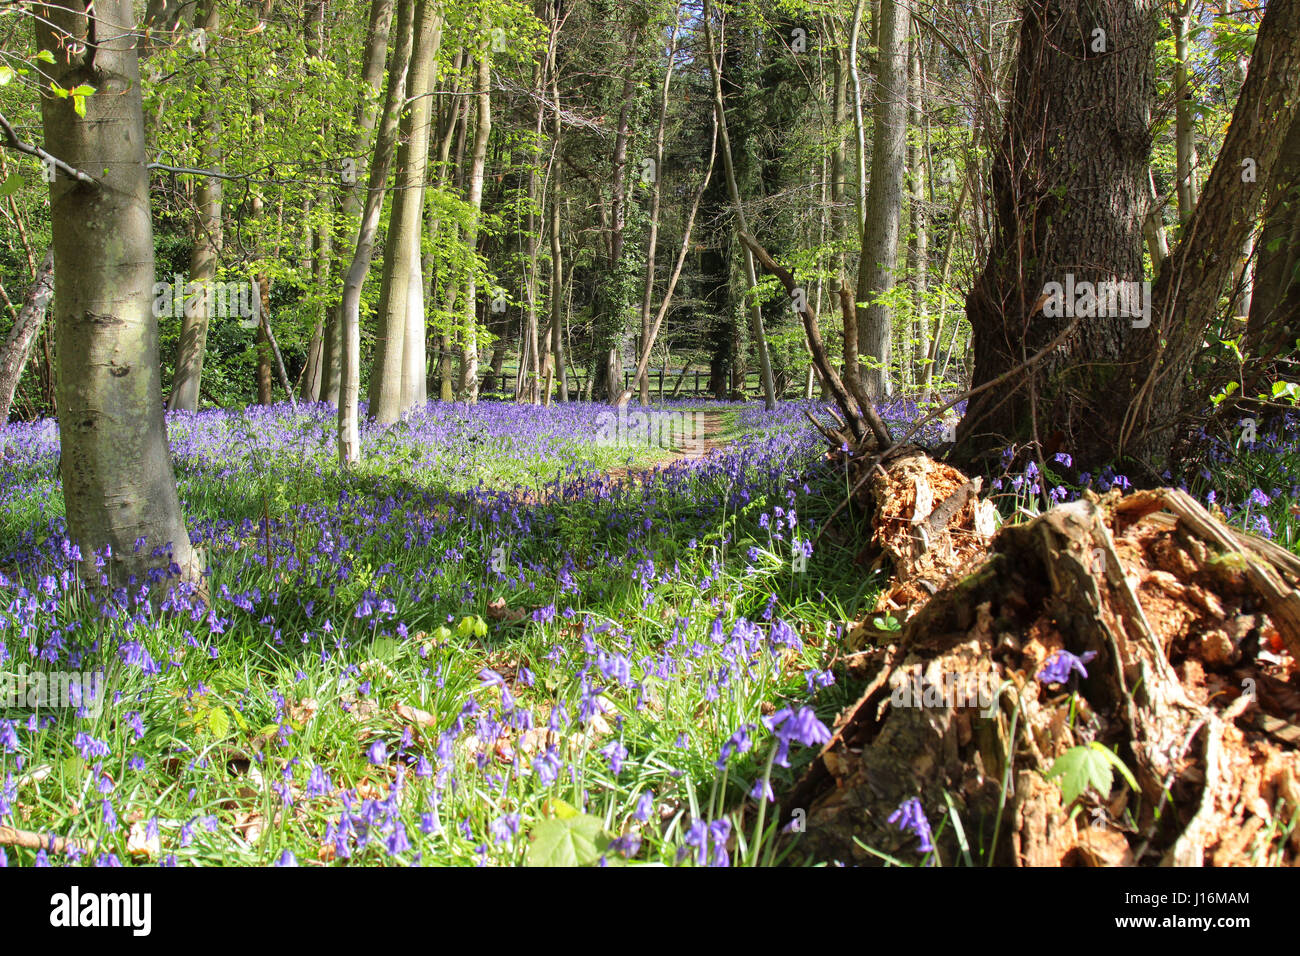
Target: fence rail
{"x": 689, "y": 382}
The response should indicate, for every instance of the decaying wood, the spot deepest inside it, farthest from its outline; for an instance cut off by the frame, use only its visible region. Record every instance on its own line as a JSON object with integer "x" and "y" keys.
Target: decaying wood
{"x": 1176, "y": 610}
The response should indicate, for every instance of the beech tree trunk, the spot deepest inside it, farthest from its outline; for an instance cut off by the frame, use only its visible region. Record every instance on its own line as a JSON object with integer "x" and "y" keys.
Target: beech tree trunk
{"x": 119, "y": 489}
{"x": 880, "y": 226}
{"x": 372, "y": 78}
{"x": 1185, "y": 157}
{"x": 206, "y": 251}
{"x": 350, "y": 374}
{"x": 478, "y": 160}
{"x": 397, "y": 379}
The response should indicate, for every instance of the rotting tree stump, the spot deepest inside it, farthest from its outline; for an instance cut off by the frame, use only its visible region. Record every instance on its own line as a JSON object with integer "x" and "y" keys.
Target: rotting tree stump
{"x": 1195, "y": 632}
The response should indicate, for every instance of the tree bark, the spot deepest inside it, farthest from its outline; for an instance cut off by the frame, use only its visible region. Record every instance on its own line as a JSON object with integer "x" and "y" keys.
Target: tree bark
{"x": 880, "y": 226}
{"x": 1063, "y": 208}
{"x": 478, "y": 160}
{"x": 206, "y": 251}
{"x": 1186, "y": 295}
{"x": 119, "y": 489}
{"x": 1274, "y": 322}
{"x": 372, "y": 78}
{"x": 1185, "y": 158}
{"x": 397, "y": 379}
{"x": 918, "y": 250}
{"x": 350, "y": 366}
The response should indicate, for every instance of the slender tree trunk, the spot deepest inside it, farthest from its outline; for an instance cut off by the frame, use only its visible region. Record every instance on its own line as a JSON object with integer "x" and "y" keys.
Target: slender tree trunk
{"x": 478, "y": 160}
{"x": 206, "y": 251}
{"x": 1186, "y": 296}
{"x": 263, "y": 341}
{"x": 557, "y": 250}
{"x": 608, "y": 322}
{"x": 119, "y": 489}
{"x": 879, "y": 251}
{"x": 322, "y": 234}
{"x": 397, "y": 379}
{"x": 1153, "y": 226}
{"x": 27, "y": 324}
{"x": 642, "y": 377}
{"x": 918, "y": 250}
{"x": 352, "y": 173}
{"x": 350, "y": 375}
{"x": 1181, "y": 19}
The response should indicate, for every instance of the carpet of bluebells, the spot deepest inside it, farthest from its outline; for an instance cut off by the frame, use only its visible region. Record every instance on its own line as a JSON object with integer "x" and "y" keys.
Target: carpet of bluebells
{"x": 490, "y": 644}
{"x": 497, "y": 641}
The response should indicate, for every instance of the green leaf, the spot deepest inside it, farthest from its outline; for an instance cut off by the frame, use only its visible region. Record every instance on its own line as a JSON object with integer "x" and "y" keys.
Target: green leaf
{"x": 11, "y": 185}
{"x": 82, "y": 90}
{"x": 571, "y": 841}
{"x": 1080, "y": 768}
{"x": 219, "y": 722}
{"x": 79, "y": 104}
{"x": 6, "y": 74}
{"x": 45, "y": 56}
{"x": 1088, "y": 765}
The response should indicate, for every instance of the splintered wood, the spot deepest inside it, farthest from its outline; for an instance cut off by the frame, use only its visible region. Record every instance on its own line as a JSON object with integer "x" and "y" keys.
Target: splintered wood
{"x": 1188, "y": 634}
{"x": 928, "y": 523}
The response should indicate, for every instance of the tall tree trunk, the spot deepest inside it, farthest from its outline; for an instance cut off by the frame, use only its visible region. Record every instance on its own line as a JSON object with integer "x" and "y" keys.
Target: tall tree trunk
{"x": 263, "y": 340}
{"x": 1182, "y": 19}
{"x": 367, "y": 111}
{"x": 1186, "y": 296}
{"x": 557, "y": 250}
{"x": 322, "y": 233}
{"x": 1062, "y": 210}
{"x": 647, "y": 295}
{"x": 380, "y": 161}
{"x": 1274, "y": 321}
{"x": 478, "y": 160}
{"x": 879, "y": 250}
{"x": 918, "y": 250}
{"x": 751, "y": 276}
{"x": 206, "y": 251}
{"x": 652, "y": 327}
{"x": 397, "y": 378}
{"x": 609, "y": 308}
{"x": 27, "y": 323}
{"x": 119, "y": 489}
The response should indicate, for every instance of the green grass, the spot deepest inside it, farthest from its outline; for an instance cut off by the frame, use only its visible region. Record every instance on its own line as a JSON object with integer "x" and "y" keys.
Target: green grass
{"x": 236, "y": 722}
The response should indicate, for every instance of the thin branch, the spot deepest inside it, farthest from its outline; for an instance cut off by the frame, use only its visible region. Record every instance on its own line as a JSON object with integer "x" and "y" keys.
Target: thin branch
{"x": 14, "y": 143}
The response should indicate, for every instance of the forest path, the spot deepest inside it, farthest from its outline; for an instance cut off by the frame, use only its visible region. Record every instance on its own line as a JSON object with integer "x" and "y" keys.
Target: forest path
{"x": 711, "y": 430}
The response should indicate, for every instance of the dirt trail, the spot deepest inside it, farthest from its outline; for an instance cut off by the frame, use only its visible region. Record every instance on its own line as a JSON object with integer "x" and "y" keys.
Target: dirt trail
{"x": 710, "y": 433}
